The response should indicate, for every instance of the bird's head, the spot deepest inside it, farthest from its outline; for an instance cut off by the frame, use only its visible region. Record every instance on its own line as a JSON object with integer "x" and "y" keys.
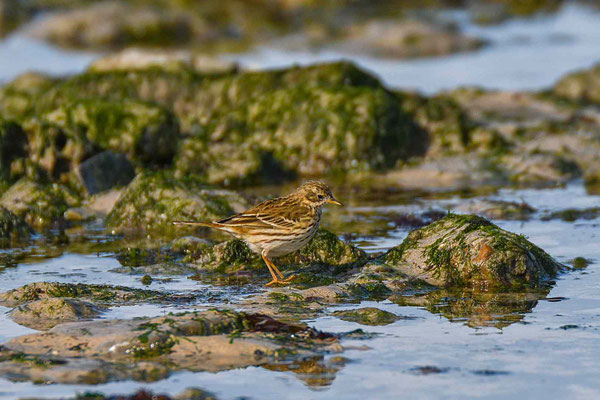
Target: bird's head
{"x": 316, "y": 194}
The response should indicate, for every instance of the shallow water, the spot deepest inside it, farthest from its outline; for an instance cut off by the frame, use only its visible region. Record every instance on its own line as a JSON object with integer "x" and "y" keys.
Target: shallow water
{"x": 523, "y": 54}
{"x": 548, "y": 348}
{"x": 19, "y": 54}
{"x": 545, "y": 349}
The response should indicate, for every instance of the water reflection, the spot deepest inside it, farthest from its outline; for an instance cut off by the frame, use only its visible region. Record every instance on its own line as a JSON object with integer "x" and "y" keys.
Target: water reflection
{"x": 477, "y": 309}
{"x": 316, "y": 372}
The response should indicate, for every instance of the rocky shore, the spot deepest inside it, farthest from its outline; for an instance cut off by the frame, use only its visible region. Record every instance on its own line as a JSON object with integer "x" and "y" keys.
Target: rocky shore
{"x": 125, "y": 150}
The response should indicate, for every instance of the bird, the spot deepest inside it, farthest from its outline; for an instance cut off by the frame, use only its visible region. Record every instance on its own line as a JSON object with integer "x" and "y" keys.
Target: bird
{"x": 278, "y": 226}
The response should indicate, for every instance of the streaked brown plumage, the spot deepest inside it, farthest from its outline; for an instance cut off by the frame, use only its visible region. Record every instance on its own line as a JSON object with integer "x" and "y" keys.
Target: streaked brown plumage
{"x": 279, "y": 226}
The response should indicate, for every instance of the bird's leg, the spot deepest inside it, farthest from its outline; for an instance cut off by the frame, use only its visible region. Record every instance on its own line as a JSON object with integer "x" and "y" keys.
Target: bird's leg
{"x": 272, "y": 268}
{"x": 275, "y": 280}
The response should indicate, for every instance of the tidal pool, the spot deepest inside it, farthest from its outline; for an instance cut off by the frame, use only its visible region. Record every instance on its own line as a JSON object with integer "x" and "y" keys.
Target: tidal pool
{"x": 451, "y": 345}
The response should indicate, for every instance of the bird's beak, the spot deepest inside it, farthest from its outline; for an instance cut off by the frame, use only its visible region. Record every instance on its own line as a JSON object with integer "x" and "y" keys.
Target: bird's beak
{"x": 334, "y": 201}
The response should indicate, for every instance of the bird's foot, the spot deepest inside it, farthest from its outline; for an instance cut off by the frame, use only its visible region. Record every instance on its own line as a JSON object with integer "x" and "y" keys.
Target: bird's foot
{"x": 286, "y": 281}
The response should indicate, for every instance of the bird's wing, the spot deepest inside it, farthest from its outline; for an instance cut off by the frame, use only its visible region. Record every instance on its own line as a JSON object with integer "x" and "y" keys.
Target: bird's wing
{"x": 260, "y": 220}
{"x": 272, "y": 214}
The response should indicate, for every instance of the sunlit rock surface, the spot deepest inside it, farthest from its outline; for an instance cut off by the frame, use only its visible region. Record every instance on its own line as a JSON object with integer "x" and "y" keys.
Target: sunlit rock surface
{"x": 149, "y": 349}
{"x": 465, "y": 250}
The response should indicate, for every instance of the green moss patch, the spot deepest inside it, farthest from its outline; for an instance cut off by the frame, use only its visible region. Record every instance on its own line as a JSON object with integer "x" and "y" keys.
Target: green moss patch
{"x": 466, "y": 250}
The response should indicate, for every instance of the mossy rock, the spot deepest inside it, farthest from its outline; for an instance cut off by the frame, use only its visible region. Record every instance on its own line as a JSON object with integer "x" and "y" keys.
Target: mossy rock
{"x": 367, "y": 316}
{"x": 581, "y": 86}
{"x": 146, "y": 133}
{"x": 153, "y": 201}
{"x": 104, "y": 294}
{"x": 228, "y": 257}
{"x": 449, "y": 127}
{"x": 466, "y": 250}
{"x": 325, "y": 249}
{"x": 497, "y": 209}
{"x": 240, "y": 127}
{"x": 12, "y": 227}
{"x": 13, "y": 148}
{"x": 47, "y": 313}
{"x": 304, "y": 121}
{"x": 153, "y": 348}
{"x": 39, "y": 205}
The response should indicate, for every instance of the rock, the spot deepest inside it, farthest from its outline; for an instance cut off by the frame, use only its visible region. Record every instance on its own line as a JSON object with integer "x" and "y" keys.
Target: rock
{"x": 13, "y": 148}
{"x": 145, "y": 133}
{"x": 492, "y": 12}
{"x": 39, "y": 205}
{"x": 323, "y": 253}
{"x": 216, "y": 26}
{"x": 139, "y": 58}
{"x": 152, "y": 202}
{"x": 407, "y": 39}
{"x": 497, "y": 209}
{"x": 146, "y": 280}
{"x": 580, "y": 262}
{"x": 80, "y": 214}
{"x": 540, "y": 168}
{"x": 451, "y": 172}
{"x": 465, "y": 250}
{"x": 151, "y": 348}
{"x": 12, "y": 227}
{"x": 573, "y": 214}
{"x": 501, "y": 106}
{"x": 47, "y": 313}
{"x": 342, "y": 117}
{"x": 12, "y": 13}
{"x": 307, "y": 119}
{"x": 326, "y": 248}
{"x": 195, "y": 394}
{"x": 105, "y": 171}
{"x": 367, "y": 316}
{"x": 20, "y": 97}
{"x": 582, "y": 86}
{"x": 122, "y": 24}
{"x": 103, "y": 294}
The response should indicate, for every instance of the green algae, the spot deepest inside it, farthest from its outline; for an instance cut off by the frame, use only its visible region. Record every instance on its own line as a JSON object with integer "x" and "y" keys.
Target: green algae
{"x": 153, "y": 201}
{"x": 12, "y": 227}
{"x": 367, "y": 316}
{"x": 248, "y": 127}
{"x": 583, "y": 86}
{"x": 322, "y": 261}
{"x": 40, "y": 205}
{"x": 97, "y": 293}
{"x": 467, "y": 250}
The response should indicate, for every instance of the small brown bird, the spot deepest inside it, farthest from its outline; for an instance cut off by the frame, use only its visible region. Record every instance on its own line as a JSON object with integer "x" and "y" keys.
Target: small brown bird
{"x": 279, "y": 226}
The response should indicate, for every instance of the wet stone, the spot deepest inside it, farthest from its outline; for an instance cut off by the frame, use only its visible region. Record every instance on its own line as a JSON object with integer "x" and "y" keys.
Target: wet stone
{"x": 12, "y": 227}
{"x": 316, "y": 264}
{"x": 39, "y": 205}
{"x": 153, "y": 201}
{"x": 103, "y": 294}
{"x": 497, "y": 209}
{"x": 13, "y": 143}
{"x": 367, "y": 316}
{"x": 149, "y": 349}
{"x": 583, "y": 86}
{"x": 466, "y": 250}
{"x": 105, "y": 171}
{"x": 47, "y": 313}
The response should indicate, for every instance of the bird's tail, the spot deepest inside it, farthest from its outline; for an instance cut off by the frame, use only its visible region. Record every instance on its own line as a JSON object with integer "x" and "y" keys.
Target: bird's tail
{"x": 208, "y": 224}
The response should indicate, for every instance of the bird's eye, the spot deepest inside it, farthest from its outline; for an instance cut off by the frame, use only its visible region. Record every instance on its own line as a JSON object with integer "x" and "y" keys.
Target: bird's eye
{"x": 321, "y": 197}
